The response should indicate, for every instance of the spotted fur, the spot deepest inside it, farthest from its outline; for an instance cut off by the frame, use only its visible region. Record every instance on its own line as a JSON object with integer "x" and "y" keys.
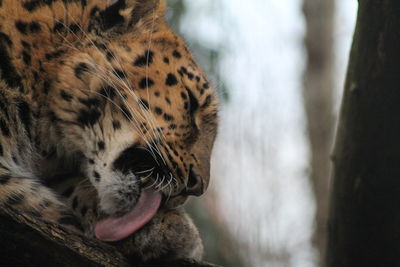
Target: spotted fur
{"x": 99, "y": 100}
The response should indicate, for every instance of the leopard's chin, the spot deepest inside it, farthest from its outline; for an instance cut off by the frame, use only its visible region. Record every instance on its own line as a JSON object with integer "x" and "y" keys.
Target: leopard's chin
{"x": 119, "y": 195}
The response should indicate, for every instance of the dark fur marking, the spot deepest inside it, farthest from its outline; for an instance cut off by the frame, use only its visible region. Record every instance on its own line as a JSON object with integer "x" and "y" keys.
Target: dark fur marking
{"x": 35, "y": 76}
{"x": 179, "y": 171}
{"x": 84, "y": 210}
{"x": 94, "y": 10}
{"x": 171, "y": 80}
{"x": 96, "y": 176}
{"x": 55, "y": 54}
{"x": 107, "y": 91}
{"x": 35, "y": 4}
{"x": 194, "y": 103}
{"x": 144, "y": 60}
{"x": 146, "y": 83}
{"x": 184, "y": 70}
{"x": 80, "y": 69}
{"x": 6, "y": 39}
{"x": 101, "y": 145}
{"x": 15, "y": 199}
{"x": 116, "y": 125}
{"x": 4, "y": 128}
{"x": 24, "y": 113}
{"x": 67, "y": 193}
{"x": 8, "y": 73}
{"x": 176, "y": 54}
{"x": 52, "y": 116}
{"x": 120, "y": 73}
{"x": 101, "y": 45}
{"x": 166, "y": 60}
{"x": 127, "y": 114}
{"x": 26, "y": 57}
{"x": 59, "y": 27}
{"x": 46, "y": 87}
{"x": 168, "y": 117}
{"x": 110, "y": 55}
{"x": 35, "y": 27}
{"x": 1, "y": 151}
{"x": 144, "y": 104}
{"x": 25, "y": 28}
{"x": 74, "y": 27}
{"x": 74, "y": 203}
{"x": 90, "y": 102}
{"x": 26, "y": 45}
{"x": 207, "y": 102}
{"x": 88, "y": 117}
{"x": 158, "y": 111}
{"x": 22, "y": 27}
{"x": 66, "y": 96}
{"x": 4, "y": 178}
{"x": 111, "y": 17}
{"x": 94, "y": 210}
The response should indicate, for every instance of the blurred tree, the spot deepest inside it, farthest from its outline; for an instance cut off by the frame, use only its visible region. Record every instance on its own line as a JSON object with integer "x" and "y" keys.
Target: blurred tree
{"x": 318, "y": 98}
{"x": 220, "y": 246}
{"x": 364, "y": 218}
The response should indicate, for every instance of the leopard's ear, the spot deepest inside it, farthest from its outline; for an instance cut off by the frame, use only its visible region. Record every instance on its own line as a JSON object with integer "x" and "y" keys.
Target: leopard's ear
{"x": 127, "y": 14}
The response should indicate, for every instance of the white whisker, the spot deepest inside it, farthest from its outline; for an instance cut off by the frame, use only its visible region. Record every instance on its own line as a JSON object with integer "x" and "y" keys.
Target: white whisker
{"x": 145, "y": 171}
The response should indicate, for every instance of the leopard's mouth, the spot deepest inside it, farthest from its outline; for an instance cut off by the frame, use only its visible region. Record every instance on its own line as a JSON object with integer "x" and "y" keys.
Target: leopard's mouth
{"x": 113, "y": 229}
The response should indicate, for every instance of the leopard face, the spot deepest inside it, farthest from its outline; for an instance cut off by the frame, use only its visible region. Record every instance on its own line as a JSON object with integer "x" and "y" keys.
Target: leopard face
{"x": 125, "y": 92}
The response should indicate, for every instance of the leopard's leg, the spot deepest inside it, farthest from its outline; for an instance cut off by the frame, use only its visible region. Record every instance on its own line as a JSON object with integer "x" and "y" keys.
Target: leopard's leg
{"x": 26, "y": 195}
{"x": 21, "y": 191}
{"x": 81, "y": 198}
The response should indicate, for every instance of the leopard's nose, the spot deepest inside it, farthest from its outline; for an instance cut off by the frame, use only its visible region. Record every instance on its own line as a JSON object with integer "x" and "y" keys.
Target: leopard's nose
{"x": 195, "y": 185}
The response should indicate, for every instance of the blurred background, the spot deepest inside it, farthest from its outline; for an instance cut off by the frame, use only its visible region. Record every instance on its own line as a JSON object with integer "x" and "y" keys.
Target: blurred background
{"x": 279, "y": 67}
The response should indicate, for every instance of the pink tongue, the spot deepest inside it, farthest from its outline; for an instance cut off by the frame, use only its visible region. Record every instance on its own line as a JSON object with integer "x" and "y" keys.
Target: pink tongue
{"x": 115, "y": 229}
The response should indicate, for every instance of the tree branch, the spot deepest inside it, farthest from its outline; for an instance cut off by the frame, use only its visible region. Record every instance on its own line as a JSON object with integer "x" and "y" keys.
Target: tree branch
{"x": 33, "y": 242}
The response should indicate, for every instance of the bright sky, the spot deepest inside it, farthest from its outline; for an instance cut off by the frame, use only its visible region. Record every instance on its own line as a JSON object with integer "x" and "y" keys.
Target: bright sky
{"x": 261, "y": 156}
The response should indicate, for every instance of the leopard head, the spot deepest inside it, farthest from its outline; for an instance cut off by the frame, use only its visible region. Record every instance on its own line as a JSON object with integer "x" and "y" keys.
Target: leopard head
{"x": 130, "y": 97}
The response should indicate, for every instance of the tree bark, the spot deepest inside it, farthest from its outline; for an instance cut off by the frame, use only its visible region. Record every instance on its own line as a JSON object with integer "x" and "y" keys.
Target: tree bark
{"x": 31, "y": 242}
{"x": 364, "y": 220}
{"x": 318, "y": 99}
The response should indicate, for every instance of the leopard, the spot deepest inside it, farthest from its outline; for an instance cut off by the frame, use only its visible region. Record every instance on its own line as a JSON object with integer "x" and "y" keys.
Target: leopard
{"x": 107, "y": 123}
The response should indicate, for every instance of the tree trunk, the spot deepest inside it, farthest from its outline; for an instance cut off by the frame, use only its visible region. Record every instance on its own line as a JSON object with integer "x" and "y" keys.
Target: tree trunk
{"x": 31, "y": 242}
{"x": 318, "y": 98}
{"x": 364, "y": 221}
